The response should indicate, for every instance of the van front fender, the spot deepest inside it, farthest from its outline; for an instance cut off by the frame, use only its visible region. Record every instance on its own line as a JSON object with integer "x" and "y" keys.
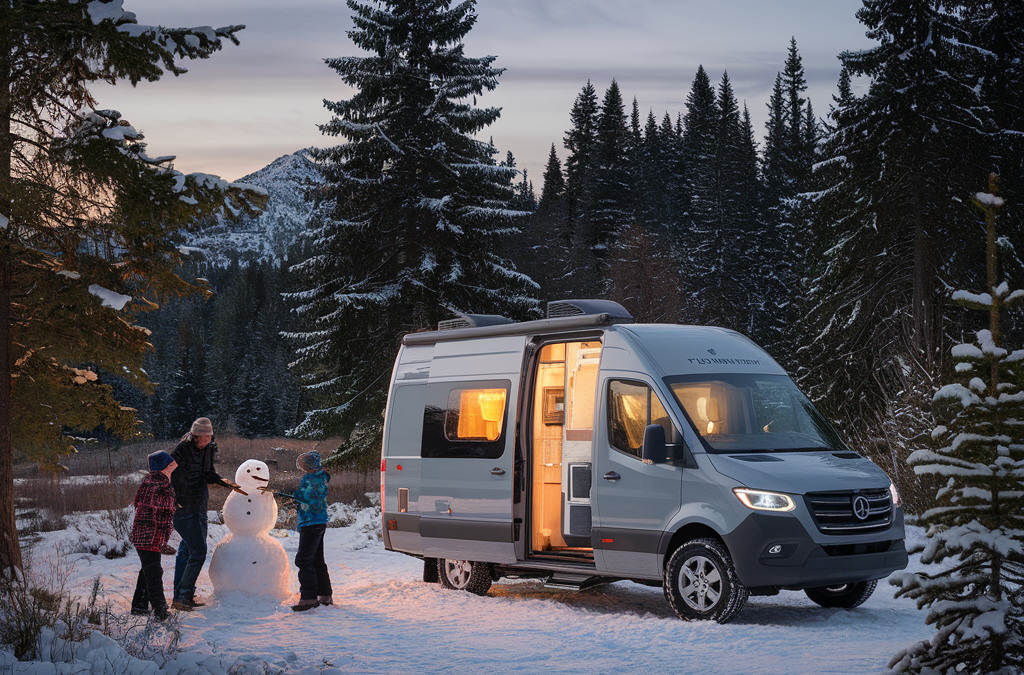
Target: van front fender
{"x": 694, "y": 520}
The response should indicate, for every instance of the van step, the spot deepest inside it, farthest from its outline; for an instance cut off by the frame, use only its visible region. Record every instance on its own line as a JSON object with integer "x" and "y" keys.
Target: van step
{"x": 572, "y": 582}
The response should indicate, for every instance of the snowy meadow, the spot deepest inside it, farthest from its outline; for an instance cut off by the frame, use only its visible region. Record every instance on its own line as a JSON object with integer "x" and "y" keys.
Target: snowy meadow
{"x": 387, "y": 620}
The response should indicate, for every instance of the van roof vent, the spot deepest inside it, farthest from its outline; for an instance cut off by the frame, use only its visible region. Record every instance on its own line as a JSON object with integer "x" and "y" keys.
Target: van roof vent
{"x": 614, "y": 310}
{"x": 472, "y": 321}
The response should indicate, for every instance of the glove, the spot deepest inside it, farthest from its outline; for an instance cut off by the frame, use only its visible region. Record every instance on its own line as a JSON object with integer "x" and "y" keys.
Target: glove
{"x": 168, "y": 550}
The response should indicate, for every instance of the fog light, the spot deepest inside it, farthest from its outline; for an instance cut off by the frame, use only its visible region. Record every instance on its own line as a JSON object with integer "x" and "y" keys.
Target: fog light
{"x": 776, "y": 549}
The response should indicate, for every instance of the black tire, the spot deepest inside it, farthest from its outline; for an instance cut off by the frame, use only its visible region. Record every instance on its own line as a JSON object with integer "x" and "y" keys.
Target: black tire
{"x": 701, "y": 582}
{"x": 464, "y": 575}
{"x": 846, "y": 596}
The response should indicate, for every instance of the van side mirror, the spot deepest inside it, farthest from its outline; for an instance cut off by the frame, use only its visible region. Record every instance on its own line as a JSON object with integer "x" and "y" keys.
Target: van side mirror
{"x": 654, "y": 444}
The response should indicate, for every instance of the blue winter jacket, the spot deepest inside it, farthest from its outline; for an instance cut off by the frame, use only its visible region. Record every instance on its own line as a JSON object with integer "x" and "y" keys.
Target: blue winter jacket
{"x": 312, "y": 499}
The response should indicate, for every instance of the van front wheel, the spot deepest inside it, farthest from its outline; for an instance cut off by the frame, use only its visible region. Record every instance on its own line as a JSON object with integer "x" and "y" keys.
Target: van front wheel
{"x": 464, "y": 575}
{"x": 846, "y": 596}
{"x": 701, "y": 582}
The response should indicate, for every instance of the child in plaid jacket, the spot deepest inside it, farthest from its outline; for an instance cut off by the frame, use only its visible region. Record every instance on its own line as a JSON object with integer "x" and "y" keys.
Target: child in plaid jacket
{"x": 154, "y": 516}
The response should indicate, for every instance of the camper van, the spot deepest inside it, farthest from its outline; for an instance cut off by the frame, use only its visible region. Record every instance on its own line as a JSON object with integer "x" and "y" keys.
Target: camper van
{"x": 584, "y": 449}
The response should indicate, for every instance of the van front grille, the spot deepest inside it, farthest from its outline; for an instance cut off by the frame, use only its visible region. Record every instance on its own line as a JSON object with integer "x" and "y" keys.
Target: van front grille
{"x": 850, "y": 512}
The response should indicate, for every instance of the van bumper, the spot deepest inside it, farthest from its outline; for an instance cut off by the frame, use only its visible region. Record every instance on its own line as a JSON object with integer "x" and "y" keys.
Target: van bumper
{"x": 806, "y": 563}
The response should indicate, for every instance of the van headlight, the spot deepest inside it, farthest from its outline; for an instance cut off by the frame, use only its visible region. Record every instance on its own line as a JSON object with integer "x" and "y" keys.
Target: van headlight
{"x": 894, "y": 493}
{"x": 759, "y": 500}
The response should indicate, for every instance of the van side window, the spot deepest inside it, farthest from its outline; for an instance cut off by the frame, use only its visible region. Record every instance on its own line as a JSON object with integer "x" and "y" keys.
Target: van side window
{"x": 465, "y": 419}
{"x": 474, "y": 414}
{"x": 631, "y": 407}
{"x": 406, "y": 439}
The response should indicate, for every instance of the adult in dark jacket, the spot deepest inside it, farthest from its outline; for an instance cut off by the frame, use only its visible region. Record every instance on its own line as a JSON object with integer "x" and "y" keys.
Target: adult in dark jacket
{"x": 154, "y": 511}
{"x": 195, "y": 455}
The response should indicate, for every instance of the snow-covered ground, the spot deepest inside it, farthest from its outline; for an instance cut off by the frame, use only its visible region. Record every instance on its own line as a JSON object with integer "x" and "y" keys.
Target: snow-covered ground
{"x": 386, "y": 620}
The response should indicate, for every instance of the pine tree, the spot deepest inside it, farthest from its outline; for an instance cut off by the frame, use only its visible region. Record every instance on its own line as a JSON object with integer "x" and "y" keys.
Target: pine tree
{"x": 887, "y": 228}
{"x": 797, "y": 150}
{"x": 697, "y": 237}
{"x": 413, "y": 208}
{"x": 610, "y": 197}
{"x": 581, "y": 142}
{"x": 975, "y": 593}
{"x": 89, "y": 224}
{"x": 549, "y": 235}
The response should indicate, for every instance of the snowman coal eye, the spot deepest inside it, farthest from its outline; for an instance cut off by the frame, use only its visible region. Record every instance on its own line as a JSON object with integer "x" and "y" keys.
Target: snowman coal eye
{"x": 248, "y": 470}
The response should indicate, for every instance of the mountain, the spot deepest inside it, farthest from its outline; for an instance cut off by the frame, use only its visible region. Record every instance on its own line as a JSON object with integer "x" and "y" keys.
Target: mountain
{"x": 268, "y": 236}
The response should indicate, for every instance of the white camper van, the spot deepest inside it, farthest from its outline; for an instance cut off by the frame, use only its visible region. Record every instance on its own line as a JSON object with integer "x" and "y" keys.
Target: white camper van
{"x": 584, "y": 449}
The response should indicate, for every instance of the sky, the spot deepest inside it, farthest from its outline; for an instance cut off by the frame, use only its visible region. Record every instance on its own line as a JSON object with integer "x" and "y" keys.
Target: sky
{"x": 236, "y": 112}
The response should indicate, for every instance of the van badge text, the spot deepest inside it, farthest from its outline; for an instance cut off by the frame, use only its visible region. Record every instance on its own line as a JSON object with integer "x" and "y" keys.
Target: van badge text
{"x": 728, "y": 362}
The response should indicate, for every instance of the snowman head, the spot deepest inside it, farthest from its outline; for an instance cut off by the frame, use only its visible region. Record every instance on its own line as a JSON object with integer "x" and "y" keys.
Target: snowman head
{"x": 249, "y": 475}
{"x": 256, "y": 512}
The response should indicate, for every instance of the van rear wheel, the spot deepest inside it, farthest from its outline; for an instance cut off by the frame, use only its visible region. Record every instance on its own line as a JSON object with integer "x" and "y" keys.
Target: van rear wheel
{"x": 846, "y": 596}
{"x": 701, "y": 582}
{"x": 464, "y": 575}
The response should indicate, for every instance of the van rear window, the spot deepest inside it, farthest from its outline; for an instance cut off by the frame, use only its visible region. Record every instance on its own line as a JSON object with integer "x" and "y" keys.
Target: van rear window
{"x": 466, "y": 420}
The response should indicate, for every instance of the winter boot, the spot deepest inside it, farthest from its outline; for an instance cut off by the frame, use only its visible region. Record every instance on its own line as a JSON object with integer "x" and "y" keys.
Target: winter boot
{"x": 160, "y": 613}
{"x": 140, "y": 611}
{"x": 325, "y": 600}
{"x": 304, "y": 604}
{"x": 185, "y": 604}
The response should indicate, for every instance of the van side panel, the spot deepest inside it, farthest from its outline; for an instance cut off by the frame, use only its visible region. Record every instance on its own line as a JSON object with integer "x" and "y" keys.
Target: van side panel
{"x": 460, "y": 494}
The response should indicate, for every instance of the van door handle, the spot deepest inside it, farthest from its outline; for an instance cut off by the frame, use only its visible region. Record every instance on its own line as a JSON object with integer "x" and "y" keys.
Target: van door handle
{"x": 497, "y": 471}
{"x": 611, "y": 475}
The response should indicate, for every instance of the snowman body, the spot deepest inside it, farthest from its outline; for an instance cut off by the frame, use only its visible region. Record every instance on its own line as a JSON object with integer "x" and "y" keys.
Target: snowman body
{"x": 248, "y": 559}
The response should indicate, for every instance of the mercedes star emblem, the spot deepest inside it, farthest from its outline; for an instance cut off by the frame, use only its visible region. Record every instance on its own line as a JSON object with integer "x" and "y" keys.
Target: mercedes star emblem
{"x": 861, "y": 508}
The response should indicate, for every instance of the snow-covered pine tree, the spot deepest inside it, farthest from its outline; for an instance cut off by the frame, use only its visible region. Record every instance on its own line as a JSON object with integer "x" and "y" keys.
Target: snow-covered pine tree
{"x": 413, "y": 210}
{"x": 697, "y": 234}
{"x": 975, "y": 549}
{"x": 728, "y": 288}
{"x": 89, "y": 224}
{"x": 548, "y": 235}
{"x": 581, "y": 162}
{"x": 611, "y": 209}
{"x": 887, "y": 224}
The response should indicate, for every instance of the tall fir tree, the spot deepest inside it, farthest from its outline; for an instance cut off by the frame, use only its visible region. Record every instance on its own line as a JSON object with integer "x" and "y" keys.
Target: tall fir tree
{"x": 549, "y": 235}
{"x": 610, "y": 197}
{"x": 888, "y": 228}
{"x": 89, "y": 224}
{"x": 975, "y": 548}
{"x": 412, "y": 209}
{"x": 697, "y": 236}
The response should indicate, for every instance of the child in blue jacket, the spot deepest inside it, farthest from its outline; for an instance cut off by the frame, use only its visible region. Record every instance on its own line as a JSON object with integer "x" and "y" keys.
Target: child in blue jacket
{"x": 311, "y": 497}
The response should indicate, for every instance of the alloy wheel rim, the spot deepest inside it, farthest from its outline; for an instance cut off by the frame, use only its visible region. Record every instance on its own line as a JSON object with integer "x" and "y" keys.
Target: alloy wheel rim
{"x": 457, "y": 572}
{"x": 700, "y": 583}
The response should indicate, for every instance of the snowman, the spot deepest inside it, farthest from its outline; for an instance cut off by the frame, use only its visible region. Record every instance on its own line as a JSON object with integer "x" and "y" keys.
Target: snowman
{"x": 248, "y": 559}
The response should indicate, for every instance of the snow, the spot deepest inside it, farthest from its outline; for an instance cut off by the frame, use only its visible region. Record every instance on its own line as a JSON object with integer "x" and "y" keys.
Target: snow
{"x": 979, "y": 298}
{"x": 386, "y": 620}
{"x": 988, "y": 199}
{"x": 109, "y": 298}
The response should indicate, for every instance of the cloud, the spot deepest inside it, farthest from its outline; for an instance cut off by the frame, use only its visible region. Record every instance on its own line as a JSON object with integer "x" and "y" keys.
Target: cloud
{"x": 252, "y": 103}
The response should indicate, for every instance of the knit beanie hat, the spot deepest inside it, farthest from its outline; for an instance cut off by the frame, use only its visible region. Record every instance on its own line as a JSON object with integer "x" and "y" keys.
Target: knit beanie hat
{"x": 308, "y": 461}
{"x": 160, "y": 460}
{"x": 202, "y": 427}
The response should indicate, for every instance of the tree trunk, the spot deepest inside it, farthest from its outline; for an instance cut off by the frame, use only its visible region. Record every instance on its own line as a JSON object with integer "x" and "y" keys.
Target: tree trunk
{"x": 923, "y": 310}
{"x": 10, "y": 551}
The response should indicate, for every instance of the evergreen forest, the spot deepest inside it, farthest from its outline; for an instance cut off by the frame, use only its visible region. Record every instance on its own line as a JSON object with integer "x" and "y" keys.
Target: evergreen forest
{"x": 832, "y": 237}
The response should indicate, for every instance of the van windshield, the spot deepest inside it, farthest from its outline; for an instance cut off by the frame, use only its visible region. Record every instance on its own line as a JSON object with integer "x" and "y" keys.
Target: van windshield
{"x": 752, "y": 413}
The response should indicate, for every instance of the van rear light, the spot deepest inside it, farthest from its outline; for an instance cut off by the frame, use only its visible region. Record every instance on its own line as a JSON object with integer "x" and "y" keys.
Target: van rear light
{"x": 383, "y": 472}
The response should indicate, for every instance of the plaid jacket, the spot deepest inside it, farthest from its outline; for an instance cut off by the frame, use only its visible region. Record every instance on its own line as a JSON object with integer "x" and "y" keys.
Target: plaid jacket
{"x": 154, "y": 513}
